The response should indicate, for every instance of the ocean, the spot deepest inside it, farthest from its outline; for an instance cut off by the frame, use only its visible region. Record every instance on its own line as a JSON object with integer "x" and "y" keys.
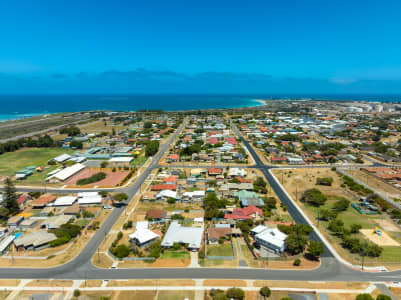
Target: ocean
{"x": 16, "y": 107}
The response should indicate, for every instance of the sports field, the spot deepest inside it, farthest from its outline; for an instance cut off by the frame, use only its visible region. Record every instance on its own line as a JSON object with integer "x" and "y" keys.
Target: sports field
{"x": 11, "y": 162}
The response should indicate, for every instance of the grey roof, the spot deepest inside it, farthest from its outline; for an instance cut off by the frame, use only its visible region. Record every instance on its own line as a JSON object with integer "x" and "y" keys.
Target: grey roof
{"x": 35, "y": 239}
{"x": 184, "y": 235}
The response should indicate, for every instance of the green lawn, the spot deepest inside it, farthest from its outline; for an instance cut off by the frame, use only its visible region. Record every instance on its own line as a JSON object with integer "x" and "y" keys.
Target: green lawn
{"x": 11, "y": 162}
{"x": 139, "y": 161}
{"x": 82, "y": 222}
{"x": 220, "y": 250}
{"x": 350, "y": 216}
{"x": 390, "y": 254}
{"x": 175, "y": 255}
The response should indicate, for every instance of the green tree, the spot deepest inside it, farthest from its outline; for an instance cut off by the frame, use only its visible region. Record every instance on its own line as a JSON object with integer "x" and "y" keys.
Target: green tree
{"x": 76, "y": 145}
{"x": 265, "y": 292}
{"x": 383, "y": 297}
{"x": 314, "y": 197}
{"x": 235, "y": 293}
{"x": 151, "y": 148}
{"x": 120, "y": 197}
{"x": 296, "y": 243}
{"x": 4, "y": 213}
{"x": 355, "y": 228}
{"x": 364, "y": 297}
{"x": 315, "y": 248}
{"x": 341, "y": 205}
{"x": 10, "y": 197}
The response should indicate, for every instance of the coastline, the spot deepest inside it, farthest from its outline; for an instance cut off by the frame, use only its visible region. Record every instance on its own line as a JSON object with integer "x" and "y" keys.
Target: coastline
{"x": 15, "y": 117}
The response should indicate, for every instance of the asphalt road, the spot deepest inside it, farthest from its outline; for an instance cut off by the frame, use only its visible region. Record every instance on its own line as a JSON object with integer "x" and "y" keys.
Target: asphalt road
{"x": 81, "y": 267}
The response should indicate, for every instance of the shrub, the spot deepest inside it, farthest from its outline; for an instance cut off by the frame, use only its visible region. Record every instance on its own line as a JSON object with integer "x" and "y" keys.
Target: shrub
{"x": 121, "y": 251}
{"x": 120, "y": 197}
{"x": 297, "y": 262}
{"x": 328, "y": 181}
{"x": 341, "y": 205}
{"x": 77, "y": 293}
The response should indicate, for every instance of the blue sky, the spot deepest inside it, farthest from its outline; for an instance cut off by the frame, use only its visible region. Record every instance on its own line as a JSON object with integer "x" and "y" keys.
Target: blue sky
{"x": 200, "y": 46}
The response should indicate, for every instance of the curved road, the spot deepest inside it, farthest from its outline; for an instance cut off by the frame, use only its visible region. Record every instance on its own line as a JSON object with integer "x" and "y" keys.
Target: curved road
{"x": 82, "y": 268}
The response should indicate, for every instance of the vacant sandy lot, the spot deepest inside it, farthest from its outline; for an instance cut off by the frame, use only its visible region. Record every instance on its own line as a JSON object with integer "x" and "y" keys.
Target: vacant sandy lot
{"x": 112, "y": 178}
{"x": 383, "y": 240}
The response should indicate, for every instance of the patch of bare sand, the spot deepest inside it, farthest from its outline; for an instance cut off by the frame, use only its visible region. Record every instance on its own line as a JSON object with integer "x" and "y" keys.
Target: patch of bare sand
{"x": 151, "y": 282}
{"x": 382, "y": 240}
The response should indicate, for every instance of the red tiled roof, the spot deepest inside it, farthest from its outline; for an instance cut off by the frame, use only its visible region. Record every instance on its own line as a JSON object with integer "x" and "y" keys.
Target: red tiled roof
{"x": 216, "y": 171}
{"x": 231, "y": 140}
{"x": 244, "y": 213}
{"x": 155, "y": 213}
{"x": 170, "y": 179}
{"x": 240, "y": 179}
{"x": 217, "y": 233}
{"x": 237, "y": 217}
{"x": 249, "y": 210}
{"x": 213, "y": 140}
{"x": 21, "y": 199}
{"x": 279, "y": 158}
{"x": 160, "y": 187}
{"x": 44, "y": 199}
{"x": 174, "y": 156}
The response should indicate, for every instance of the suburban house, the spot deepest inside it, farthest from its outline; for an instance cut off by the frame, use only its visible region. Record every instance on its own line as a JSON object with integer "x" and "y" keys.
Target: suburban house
{"x": 183, "y": 235}
{"x": 143, "y": 236}
{"x": 14, "y": 222}
{"x": 43, "y": 200}
{"x": 214, "y": 234}
{"x": 156, "y": 215}
{"x": 246, "y": 213}
{"x": 34, "y": 241}
{"x": 56, "y": 221}
{"x": 269, "y": 239}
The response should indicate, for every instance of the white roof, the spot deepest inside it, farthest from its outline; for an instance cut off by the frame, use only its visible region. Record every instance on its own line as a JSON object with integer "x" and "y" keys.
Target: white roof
{"x": 78, "y": 159}
{"x": 6, "y": 242}
{"x": 185, "y": 235}
{"x": 259, "y": 229}
{"x": 87, "y": 194}
{"x": 167, "y": 193}
{"x": 90, "y": 200}
{"x": 54, "y": 172}
{"x": 143, "y": 235}
{"x": 62, "y": 157}
{"x": 142, "y": 225}
{"x": 121, "y": 159}
{"x": 194, "y": 194}
{"x": 65, "y": 200}
{"x": 68, "y": 172}
{"x": 198, "y": 220}
{"x": 236, "y": 172}
{"x": 272, "y": 236}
